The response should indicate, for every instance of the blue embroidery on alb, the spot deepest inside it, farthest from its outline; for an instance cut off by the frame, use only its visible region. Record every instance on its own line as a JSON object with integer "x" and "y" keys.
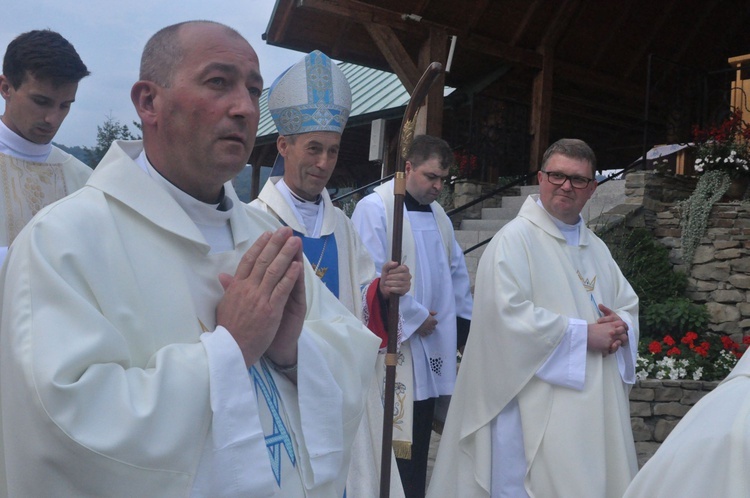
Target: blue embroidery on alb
{"x": 596, "y": 306}
{"x": 280, "y": 435}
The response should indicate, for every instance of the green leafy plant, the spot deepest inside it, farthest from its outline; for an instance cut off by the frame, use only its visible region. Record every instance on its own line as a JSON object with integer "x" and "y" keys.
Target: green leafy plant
{"x": 663, "y": 307}
{"x": 645, "y": 263}
{"x": 673, "y": 316}
{"x": 695, "y": 210}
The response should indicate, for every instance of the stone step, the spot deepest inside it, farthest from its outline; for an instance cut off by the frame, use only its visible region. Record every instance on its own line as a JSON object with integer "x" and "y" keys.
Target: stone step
{"x": 514, "y": 202}
{"x": 469, "y": 238}
{"x": 501, "y": 213}
{"x": 483, "y": 225}
{"x": 527, "y": 190}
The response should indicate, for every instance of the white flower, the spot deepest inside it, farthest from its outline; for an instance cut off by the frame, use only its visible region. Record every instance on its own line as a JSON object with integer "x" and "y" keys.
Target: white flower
{"x": 698, "y": 373}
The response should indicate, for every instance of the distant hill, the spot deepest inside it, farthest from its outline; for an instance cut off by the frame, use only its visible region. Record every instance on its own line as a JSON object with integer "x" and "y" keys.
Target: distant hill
{"x": 77, "y": 151}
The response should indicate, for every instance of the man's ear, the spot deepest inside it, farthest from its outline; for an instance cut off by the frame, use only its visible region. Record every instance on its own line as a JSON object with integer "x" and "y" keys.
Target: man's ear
{"x": 144, "y": 95}
{"x": 5, "y": 87}
{"x": 282, "y": 145}
{"x": 408, "y": 168}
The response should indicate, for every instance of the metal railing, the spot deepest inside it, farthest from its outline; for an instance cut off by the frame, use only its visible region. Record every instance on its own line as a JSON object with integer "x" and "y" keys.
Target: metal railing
{"x": 523, "y": 180}
{"x": 360, "y": 189}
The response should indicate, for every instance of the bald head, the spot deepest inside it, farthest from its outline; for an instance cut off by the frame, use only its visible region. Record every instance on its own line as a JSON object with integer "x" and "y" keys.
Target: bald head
{"x": 166, "y": 49}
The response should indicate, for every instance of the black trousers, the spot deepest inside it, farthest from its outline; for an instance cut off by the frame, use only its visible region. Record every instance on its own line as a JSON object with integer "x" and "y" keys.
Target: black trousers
{"x": 414, "y": 472}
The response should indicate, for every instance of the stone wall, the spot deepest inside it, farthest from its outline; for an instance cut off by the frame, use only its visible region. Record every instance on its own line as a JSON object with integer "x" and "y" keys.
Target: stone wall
{"x": 718, "y": 278}
{"x": 720, "y": 274}
{"x": 656, "y": 406}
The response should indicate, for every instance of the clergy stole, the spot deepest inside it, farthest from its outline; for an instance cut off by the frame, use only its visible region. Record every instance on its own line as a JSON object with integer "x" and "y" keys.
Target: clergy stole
{"x": 27, "y": 187}
{"x": 323, "y": 255}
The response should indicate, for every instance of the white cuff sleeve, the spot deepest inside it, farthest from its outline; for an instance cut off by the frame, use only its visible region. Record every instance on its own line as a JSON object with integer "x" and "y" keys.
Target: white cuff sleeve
{"x": 237, "y": 435}
{"x": 321, "y": 409}
{"x": 413, "y": 313}
{"x": 626, "y": 356}
{"x": 566, "y": 366}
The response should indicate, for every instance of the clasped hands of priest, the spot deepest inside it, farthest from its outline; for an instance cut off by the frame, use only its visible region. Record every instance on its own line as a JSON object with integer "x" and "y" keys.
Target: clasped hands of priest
{"x": 608, "y": 334}
{"x": 264, "y": 304}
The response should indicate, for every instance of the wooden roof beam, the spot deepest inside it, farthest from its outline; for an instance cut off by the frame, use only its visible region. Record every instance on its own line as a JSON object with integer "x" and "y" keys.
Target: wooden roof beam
{"x": 613, "y": 32}
{"x": 521, "y": 29}
{"x": 488, "y": 46}
{"x": 278, "y": 24}
{"x": 367, "y": 14}
{"x": 645, "y": 45}
{"x": 476, "y": 14}
{"x": 396, "y": 55}
{"x": 557, "y": 29}
{"x": 585, "y": 77}
{"x": 420, "y": 7}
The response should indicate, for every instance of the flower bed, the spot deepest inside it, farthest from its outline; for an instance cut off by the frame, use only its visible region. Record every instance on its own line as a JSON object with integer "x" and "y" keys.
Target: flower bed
{"x": 711, "y": 357}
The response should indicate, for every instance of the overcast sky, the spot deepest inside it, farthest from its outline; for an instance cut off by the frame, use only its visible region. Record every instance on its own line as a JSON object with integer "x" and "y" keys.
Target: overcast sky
{"x": 109, "y": 35}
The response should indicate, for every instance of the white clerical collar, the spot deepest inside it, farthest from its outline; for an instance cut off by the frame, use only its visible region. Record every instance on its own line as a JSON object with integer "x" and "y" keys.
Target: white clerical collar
{"x": 572, "y": 233}
{"x": 211, "y": 219}
{"x": 308, "y": 213}
{"x": 15, "y": 145}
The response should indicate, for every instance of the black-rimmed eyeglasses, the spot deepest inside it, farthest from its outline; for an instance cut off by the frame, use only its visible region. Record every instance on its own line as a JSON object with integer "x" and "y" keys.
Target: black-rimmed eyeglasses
{"x": 556, "y": 178}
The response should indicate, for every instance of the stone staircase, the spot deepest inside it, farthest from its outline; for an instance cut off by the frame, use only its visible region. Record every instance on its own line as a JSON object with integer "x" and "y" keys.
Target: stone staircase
{"x": 473, "y": 231}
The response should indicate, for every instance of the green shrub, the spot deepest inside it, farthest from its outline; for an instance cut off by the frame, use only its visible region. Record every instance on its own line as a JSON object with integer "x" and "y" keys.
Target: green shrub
{"x": 663, "y": 309}
{"x": 674, "y": 317}
{"x": 645, "y": 263}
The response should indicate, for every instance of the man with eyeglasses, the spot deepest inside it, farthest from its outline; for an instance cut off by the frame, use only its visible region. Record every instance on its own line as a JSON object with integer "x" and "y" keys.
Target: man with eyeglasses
{"x": 541, "y": 401}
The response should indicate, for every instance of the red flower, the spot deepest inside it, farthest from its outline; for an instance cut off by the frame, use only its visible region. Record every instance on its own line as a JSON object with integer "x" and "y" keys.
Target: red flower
{"x": 674, "y": 351}
{"x": 668, "y": 340}
{"x": 703, "y": 351}
{"x": 654, "y": 347}
{"x": 746, "y": 339}
{"x": 689, "y": 338}
{"x": 729, "y": 344}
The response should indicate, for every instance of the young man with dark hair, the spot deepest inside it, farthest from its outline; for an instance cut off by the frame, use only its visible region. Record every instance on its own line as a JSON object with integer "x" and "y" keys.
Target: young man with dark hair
{"x": 437, "y": 309}
{"x": 41, "y": 71}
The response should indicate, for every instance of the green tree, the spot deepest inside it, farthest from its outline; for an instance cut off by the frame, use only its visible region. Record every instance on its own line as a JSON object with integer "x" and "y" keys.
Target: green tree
{"x": 107, "y": 133}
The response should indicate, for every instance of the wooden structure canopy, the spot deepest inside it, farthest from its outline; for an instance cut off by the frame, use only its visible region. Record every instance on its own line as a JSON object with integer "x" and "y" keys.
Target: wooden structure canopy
{"x": 585, "y": 68}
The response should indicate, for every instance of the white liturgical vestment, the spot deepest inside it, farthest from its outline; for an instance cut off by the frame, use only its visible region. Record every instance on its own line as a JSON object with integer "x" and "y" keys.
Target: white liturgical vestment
{"x": 533, "y": 289}
{"x": 355, "y": 271}
{"x": 440, "y": 282}
{"x": 356, "y": 268}
{"x": 708, "y": 452}
{"x": 107, "y": 385}
{"x": 32, "y": 176}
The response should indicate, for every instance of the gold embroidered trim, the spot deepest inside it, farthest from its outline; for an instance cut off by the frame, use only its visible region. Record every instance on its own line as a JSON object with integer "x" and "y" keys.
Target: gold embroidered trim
{"x": 587, "y": 284}
{"x": 402, "y": 449}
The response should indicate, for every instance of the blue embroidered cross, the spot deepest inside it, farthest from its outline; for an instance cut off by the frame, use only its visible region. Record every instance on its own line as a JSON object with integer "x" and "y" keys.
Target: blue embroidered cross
{"x": 280, "y": 435}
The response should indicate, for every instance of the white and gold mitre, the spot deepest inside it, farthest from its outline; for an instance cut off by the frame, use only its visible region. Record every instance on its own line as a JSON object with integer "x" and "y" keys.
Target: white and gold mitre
{"x": 312, "y": 95}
